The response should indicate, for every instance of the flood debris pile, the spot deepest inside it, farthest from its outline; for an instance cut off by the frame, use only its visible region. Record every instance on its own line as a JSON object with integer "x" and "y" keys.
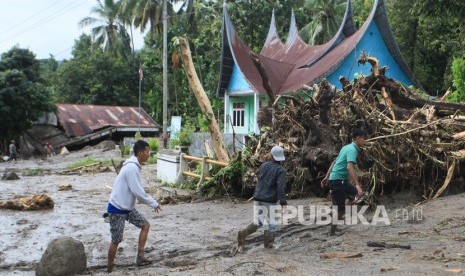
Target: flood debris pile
{"x": 414, "y": 143}
{"x": 93, "y": 168}
{"x": 28, "y": 203}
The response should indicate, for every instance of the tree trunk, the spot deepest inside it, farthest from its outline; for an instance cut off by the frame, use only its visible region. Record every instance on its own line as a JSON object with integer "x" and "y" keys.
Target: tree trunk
{"x": 265, "y": 80}
{"x": 204, "y": 102}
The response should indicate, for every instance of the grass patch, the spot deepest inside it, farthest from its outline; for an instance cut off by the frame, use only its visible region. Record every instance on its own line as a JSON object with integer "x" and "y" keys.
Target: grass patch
{"x": 34, "y": 172}
{"x": 87, "y": 161}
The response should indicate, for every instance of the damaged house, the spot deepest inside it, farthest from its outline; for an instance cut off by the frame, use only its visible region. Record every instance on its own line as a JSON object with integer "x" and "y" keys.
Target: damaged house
{"x": 75, "y": 126}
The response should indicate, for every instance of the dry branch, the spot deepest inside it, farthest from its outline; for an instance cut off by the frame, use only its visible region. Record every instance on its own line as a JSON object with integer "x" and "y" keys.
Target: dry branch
{"x": 340, "y": 255}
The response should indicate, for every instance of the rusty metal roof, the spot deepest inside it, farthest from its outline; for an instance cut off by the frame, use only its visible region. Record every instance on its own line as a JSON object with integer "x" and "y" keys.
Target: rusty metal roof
{"x": 295, "y": 50}
{"x": 295, "y": 63}
{"x": 78, "y": 120}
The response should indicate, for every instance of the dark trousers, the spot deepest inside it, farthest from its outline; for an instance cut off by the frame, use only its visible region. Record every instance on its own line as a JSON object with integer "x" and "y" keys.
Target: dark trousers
{"x": 340, "y": 191}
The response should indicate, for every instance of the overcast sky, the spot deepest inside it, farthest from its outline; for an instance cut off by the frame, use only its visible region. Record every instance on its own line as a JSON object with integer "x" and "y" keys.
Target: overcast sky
{"x": 46, "y": 26}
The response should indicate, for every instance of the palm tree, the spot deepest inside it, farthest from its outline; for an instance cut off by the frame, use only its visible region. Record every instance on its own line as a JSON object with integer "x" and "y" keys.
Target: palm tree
{"x": 149, "y": 13}
{"x": 110, "y": 32}
{"x": 326, "y": 19}
{"x": 145, "y": 12}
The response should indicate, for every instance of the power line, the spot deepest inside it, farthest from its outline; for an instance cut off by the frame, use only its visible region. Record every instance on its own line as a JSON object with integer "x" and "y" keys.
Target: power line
{"x": 47, "y": 19}
{"x": 22, "y": 21}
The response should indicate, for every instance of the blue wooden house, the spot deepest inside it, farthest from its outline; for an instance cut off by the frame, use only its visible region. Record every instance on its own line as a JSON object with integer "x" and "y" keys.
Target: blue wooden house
{"x": 292, "y": 64}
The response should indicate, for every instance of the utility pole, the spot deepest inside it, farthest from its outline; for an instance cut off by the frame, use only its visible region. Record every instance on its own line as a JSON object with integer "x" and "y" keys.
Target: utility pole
{"x": 165, "y": 74}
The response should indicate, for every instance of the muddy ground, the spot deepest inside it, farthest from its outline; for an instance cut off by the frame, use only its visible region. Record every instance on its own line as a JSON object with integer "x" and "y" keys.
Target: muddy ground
{"x": 196, "y": 238}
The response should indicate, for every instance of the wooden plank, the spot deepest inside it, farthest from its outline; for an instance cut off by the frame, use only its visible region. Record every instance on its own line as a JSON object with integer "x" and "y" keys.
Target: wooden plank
{"x": 191, "y": 174}
{"x": 219, "y": 163}
{"x": 192, "y": 158}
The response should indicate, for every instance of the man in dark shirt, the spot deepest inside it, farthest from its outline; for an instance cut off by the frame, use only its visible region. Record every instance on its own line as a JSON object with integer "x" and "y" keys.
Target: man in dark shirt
{"x": 270, "y": 188}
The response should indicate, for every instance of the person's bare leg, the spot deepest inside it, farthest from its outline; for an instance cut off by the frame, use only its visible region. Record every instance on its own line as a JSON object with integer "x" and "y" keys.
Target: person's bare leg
{"x": 141, "y": 260}
{"x": 111, "y": 256}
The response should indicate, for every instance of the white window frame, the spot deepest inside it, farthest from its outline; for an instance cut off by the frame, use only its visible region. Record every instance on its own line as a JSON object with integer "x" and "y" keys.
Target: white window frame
{"x": 238, "y": 114}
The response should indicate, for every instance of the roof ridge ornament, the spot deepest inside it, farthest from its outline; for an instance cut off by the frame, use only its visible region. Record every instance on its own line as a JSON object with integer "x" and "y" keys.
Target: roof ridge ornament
{"x": 273, "y": 36}
{"x": 293, "y": 31}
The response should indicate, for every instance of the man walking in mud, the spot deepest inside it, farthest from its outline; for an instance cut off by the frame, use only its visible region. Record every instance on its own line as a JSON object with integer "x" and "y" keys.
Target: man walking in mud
{"x": 13, "y": 151}
{"x": 341, "y": 172}
{"x": 121, "y": 207}
{"x": 271, "y": 187}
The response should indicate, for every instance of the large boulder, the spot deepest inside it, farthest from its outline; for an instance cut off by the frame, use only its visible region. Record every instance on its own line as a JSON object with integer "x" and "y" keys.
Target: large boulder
{"x": 63, "y": 256}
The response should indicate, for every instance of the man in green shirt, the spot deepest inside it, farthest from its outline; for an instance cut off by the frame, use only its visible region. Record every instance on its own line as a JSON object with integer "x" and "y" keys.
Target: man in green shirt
{"x": 342, "y": 172}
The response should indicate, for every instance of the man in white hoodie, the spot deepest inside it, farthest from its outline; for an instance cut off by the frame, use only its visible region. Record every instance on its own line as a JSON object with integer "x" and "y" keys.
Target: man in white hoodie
{"x": 121, "y": 207}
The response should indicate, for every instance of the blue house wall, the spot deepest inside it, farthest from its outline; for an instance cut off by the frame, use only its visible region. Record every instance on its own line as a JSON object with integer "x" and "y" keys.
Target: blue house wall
{"x": 237, "y": 83}
{"x": 374, "y": 45}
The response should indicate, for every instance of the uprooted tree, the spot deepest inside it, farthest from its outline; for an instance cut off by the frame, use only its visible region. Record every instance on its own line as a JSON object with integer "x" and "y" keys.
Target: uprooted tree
{"x": 204, "y": 102}
{"x": 414, "y": 142}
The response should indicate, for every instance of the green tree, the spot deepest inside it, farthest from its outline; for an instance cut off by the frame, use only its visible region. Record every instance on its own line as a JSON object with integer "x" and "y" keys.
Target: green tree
{"x": 430, "y": 34}
{"x": 148, "y": 14}
{"x": 458, "y": 72}
{"x": 23, "y": 97}
{"x": 252, "y": 18}
{"x": 362, "y": 9}
{"x": 110, "y": 32}
{"x": 326, "y": 20}
{"x": 96, "y": 77}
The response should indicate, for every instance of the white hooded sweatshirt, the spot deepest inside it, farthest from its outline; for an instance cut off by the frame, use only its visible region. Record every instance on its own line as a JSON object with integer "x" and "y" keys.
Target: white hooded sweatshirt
{"x": 128, "y": 187}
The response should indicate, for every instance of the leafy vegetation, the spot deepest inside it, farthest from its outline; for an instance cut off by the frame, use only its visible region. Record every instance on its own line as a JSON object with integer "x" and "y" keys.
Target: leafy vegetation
{"x": 34, "y": 172}
{"x": 458, "y": 72}
{"x": 154, "y": 144}
{"x": 152, "y": 159}
{"x": 23, "y": 95}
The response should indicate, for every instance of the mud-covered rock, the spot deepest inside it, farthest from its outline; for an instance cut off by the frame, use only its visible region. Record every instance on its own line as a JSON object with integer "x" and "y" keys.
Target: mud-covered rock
{"x": 10, "y": 176}
{"x": 64, "y": 256}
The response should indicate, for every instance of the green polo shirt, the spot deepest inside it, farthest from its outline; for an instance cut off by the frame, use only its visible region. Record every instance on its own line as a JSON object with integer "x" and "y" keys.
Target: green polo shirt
{"x": 347, "y": 154}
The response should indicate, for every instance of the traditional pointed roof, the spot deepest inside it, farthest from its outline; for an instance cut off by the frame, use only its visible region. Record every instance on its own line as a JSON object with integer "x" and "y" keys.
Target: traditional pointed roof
{"x": 295, "y": 63}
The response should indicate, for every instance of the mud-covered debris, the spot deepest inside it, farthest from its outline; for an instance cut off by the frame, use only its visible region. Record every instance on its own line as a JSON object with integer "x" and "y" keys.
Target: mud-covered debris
{"x": 174, "y": 199}
{"x": 386, "y": 269}
{"x": 414, "y": 142}
{"x": 96, "y": 167}
{"x": 340, "y": 255}
{"x": 28, "y": 203}
{"x": 65, "y": 187}
{"x": 181, "y": 262}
